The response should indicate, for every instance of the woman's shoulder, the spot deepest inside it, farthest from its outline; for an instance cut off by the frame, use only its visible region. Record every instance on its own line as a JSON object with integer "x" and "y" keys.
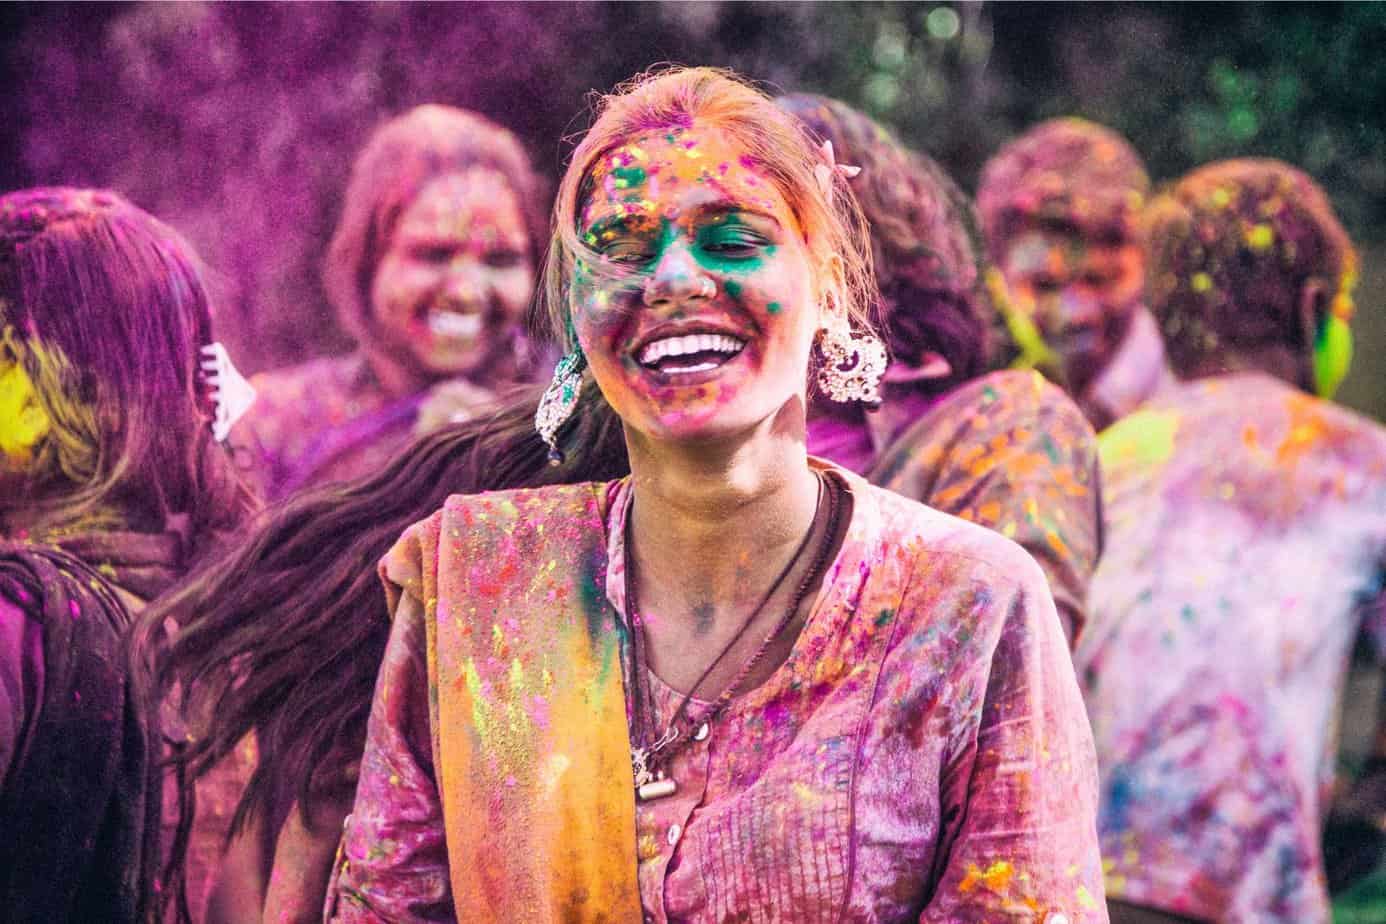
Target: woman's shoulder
{"x": 931, "y": 538}
{"x": 1013, "y": 393}
{"x": 535, "y": 509}
{"x": 475, "y": 526}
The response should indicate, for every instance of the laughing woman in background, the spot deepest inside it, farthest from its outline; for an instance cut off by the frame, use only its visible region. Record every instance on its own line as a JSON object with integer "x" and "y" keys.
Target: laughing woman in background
{"x": 431, "y": 269}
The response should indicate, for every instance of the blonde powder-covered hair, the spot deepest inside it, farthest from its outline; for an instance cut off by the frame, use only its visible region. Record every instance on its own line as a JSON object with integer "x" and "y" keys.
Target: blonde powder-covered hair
{"x": 775, "y": 141}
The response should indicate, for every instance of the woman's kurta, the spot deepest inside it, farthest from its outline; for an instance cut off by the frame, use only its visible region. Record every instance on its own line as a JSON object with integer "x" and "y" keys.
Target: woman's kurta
{"x": 922, "y": 754}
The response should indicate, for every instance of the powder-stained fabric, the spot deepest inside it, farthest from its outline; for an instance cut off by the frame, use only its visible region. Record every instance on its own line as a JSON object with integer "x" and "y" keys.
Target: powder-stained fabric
{"x": 921, "y": 755}
{"x": 78, "y": 779}
{"x": 1010, "y": 452}
{"x": 326, "y": 420}
{"x": 1246, "y": 536}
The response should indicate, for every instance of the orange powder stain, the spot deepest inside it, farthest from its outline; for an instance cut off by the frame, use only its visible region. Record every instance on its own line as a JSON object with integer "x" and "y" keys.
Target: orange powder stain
{"x": 995, "y": 878}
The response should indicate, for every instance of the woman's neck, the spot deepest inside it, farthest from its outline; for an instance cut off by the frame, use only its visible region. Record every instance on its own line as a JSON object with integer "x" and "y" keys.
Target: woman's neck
{"x": 712, "y": 524}
{"x": 1280, "y": 362}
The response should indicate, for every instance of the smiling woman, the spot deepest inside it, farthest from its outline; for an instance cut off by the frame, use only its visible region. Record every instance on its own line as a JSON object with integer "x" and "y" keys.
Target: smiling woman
{"x": 739, "y": 683}
{"x": 432, "y": 268}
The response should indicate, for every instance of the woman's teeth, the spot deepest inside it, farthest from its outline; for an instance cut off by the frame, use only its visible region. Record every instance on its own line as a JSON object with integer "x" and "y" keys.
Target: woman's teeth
{"x": 690, "y": 352}
{"x": 446, "y": 323}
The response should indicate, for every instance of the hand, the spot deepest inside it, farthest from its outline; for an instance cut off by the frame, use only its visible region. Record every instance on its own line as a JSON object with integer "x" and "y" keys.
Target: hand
{"x": 454, "y": 401}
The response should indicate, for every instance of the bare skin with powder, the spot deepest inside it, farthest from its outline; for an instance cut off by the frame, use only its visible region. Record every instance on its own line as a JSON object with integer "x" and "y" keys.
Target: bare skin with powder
{"x": 1079, "y": 292}
{"x": 451, "y": 290}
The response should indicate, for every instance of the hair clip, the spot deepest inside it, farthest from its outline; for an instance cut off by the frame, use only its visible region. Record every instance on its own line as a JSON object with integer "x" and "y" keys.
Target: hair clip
{"x": 824, "y": 172}
{"x": 231, "y": 394}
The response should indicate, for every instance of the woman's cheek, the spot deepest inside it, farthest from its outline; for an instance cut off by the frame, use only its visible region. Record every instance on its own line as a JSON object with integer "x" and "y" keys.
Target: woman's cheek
{"x": 515, "y": 288}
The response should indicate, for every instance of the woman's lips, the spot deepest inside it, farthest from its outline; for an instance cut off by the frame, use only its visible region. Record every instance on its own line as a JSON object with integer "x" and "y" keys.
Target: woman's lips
{"x": 685, "y": 354}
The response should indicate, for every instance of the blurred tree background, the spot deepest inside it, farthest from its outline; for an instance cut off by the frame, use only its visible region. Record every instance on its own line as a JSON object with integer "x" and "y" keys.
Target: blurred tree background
{"x": 238, "y": 122}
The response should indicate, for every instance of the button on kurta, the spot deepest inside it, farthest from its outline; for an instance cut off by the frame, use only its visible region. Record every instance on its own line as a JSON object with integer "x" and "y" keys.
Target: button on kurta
{"x": 702, "y": 732}
{"x": 673, "y": 835}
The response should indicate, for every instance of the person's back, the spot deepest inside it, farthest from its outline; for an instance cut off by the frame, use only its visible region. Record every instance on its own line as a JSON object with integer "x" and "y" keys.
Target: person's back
{"x": 1246, "y": 530}
{"x": 109, "y": 483}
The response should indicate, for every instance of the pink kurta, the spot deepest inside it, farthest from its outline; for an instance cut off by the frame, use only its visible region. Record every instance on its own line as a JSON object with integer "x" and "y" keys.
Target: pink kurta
{"x": 325, "y": 420}
{"x": 921, "y": 755}
{"x": 1246, "y": 531}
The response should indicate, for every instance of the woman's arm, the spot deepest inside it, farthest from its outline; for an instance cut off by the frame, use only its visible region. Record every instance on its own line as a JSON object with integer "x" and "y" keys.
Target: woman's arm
{"x": 1019, "y": 796}
{"x": 395, "y": 864}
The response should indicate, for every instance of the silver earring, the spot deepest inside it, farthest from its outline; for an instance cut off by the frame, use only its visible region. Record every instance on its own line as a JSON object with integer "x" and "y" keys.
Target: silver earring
{"x": 559, "y": 399}
{"x": 852, "y": 366}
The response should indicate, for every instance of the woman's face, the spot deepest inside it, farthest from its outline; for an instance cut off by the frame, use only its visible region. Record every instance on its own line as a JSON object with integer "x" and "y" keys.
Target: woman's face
{"x": 708, "y": 331}
{"x": 450, "y": 293}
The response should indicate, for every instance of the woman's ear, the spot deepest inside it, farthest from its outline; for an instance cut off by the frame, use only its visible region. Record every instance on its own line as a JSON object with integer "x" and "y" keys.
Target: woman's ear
{"x": 832, "y": 293}
{"x": 1328, "y": 340}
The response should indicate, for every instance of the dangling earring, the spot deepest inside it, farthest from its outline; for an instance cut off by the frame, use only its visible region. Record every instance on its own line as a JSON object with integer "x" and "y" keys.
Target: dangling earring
{"x": 559, "y": 399}
{"x": 852, "y": 366}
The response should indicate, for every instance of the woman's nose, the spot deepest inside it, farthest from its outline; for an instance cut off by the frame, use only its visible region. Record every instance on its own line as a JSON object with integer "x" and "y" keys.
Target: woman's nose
{"x": 677, "y": 278}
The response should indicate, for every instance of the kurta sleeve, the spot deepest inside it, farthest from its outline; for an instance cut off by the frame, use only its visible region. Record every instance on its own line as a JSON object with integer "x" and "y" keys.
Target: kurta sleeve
{"x": 395, "y": 865}
{"x": 1019, "y": 786}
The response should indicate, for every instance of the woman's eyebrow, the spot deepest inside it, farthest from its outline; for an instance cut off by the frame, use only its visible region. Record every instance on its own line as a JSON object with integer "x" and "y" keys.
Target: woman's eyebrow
{"x": 620, "y": 224}
{"x": 732, "y": 207}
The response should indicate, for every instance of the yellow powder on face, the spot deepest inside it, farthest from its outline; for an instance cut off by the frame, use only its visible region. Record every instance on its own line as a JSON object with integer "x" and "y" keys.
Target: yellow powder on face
{"x": 67, "y": 443}
{"x": 23, "y": 421}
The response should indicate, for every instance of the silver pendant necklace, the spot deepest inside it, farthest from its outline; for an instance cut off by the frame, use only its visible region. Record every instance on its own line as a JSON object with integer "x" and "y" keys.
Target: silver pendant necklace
{"x": 646, "y": 760}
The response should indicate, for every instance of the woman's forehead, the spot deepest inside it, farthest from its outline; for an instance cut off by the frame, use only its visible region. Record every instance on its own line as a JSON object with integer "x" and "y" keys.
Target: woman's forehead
{"x": 662, "y": 174}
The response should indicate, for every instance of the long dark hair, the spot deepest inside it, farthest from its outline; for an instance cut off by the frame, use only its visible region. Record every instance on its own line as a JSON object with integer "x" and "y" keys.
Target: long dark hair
{"x": 283, "y": 636}
{"x": 105, "y": 310}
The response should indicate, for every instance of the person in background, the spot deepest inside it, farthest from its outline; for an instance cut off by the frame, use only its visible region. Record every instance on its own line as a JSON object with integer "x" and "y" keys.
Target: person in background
{"x": 110, "y": 485}
{"x": 1003, "y": 449}
{"x": 431, "y": 269}
{"x": 1246, "y": 540}
{"x": 1060, "y": 209}
{"x": 738, "y": 679}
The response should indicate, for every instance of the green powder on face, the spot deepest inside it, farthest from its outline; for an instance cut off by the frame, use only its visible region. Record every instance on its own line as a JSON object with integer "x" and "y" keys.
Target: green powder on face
{"x": 733, "y": 288}
{"x": 773, "y": 307}
{"x": 627, "y": 177}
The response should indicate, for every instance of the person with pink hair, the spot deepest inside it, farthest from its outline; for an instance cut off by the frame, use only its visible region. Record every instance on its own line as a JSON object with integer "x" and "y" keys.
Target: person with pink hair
{"x": 1060, "y": 209}
{"x": 1246, "y": 518}
{"x": 1004, "y": 449}
{"x": 112, "y": 484}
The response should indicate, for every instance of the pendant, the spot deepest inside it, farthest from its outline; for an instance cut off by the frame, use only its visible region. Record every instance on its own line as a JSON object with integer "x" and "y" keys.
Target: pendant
{"x": 647, "y": 785}
{"x": 656, "y": 789}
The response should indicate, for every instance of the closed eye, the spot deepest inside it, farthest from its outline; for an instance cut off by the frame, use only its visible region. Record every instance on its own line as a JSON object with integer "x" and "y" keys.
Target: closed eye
{"x": 432, "y": 253}
{"x": 734, "y": 242}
